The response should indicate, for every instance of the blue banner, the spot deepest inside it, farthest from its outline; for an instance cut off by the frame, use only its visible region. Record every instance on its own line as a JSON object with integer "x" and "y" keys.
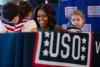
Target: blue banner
{"x": 45, "y": 49}
{"x": 96, "y": 50}
{"x": 64, "y": 49}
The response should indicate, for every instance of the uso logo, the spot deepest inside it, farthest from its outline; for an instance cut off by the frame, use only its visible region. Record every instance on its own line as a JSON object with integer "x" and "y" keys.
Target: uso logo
{"x": 69, "y": 10}
{"x": 94, "y": 11}
{"x": 64, "y": 49}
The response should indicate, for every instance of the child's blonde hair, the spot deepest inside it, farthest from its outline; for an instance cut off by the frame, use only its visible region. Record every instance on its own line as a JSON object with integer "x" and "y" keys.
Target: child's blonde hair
{"x": 78, "y": 12}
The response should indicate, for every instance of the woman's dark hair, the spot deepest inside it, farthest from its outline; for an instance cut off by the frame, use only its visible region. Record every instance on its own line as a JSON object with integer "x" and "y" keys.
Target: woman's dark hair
{"x": 10, "y": 10}
{"x": 25, "y": 7}
{"x": 48, "y": 9}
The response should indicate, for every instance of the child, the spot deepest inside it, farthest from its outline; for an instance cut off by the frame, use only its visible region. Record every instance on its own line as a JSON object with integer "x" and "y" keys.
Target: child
{"x": 26, "y": 17}
{"x": 77, "y": 21}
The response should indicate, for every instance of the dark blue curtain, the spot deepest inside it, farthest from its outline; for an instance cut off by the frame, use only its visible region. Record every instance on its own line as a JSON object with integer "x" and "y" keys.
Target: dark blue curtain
{"x": 16, "y": 50}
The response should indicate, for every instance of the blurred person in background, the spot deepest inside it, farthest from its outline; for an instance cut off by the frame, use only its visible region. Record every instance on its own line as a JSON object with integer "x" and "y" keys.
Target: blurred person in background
{"x": 10, "y": 17}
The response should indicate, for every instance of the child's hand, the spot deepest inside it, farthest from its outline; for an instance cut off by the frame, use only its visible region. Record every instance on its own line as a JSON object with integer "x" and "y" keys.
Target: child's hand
{"x": 73, "y": 30}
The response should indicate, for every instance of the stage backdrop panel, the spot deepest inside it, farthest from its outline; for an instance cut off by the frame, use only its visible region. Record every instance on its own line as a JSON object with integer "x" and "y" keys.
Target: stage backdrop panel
{"x": 90, "y": 8}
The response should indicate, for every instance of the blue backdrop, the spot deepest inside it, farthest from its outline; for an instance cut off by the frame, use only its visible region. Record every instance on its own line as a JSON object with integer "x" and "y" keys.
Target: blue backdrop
{"x": 91, "y": 9}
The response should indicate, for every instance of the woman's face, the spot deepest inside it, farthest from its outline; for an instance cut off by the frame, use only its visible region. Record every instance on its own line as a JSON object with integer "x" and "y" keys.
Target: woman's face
{"x": 77, "y": 20}
{"x": 42, "y": 18}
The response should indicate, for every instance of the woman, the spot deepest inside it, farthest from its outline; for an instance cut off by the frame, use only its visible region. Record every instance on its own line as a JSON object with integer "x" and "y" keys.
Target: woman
{"x": 45, "y": 18}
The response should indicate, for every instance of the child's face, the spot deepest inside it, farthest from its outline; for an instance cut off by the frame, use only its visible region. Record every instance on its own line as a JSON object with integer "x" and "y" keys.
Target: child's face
{"x": 77, "y": 20}
{"x": 42, "y": 18}
{"x": 15, "y": 19}
{"x": 29, "y": 15}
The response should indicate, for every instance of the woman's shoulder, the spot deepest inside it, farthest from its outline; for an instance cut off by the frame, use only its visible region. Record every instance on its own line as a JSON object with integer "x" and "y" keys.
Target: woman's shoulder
{"x": 60, "y": 29}
{"x": 2, "y": 27}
